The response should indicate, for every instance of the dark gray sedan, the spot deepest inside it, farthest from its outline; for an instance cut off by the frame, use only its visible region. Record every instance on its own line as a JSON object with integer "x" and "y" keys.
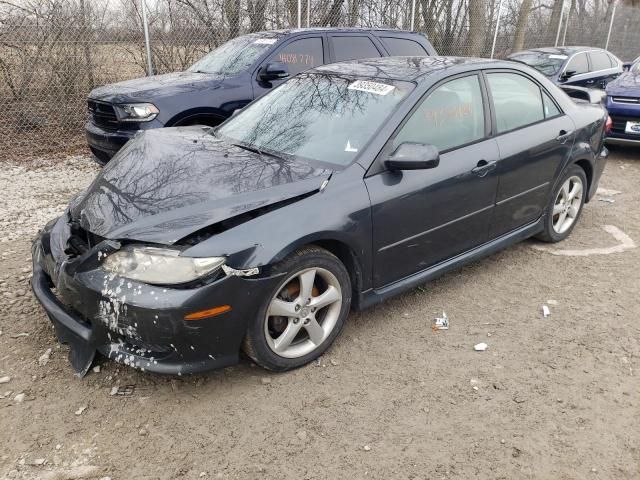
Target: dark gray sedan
{"x": 344, "y": 186}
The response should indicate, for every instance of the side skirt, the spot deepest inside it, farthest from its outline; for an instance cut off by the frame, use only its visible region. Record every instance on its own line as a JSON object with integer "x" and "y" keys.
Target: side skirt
{"x": 375, "y": 296}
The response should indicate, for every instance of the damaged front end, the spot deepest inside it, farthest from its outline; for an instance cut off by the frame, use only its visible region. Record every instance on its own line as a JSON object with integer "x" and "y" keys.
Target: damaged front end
{"x": 158, "y": 328}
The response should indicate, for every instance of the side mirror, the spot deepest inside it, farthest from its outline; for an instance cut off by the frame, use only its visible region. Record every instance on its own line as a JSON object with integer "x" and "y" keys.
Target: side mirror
{"x": 273, "y": 71}
{"x": 568, "y": 74}
{"x": 626, "y": 67}
{"x": 413, "y": 156}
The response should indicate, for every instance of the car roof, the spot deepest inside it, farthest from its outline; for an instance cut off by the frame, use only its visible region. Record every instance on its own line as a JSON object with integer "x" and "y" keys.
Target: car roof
{"x": 287, "y": 31}
{"x": 411, "y": 69}
{"x": 559, "y": 50}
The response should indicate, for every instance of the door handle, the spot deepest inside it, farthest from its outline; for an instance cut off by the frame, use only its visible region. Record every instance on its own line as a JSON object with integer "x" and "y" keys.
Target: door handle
{"x": 483, "y": 167}
{"x": 564, "y": 135}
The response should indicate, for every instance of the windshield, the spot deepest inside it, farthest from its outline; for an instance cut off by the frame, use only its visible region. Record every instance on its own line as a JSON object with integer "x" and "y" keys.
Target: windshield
{"x": 546, "y": 63}
{"x": 234, "y": 56}
{"x": 328, "y": 118}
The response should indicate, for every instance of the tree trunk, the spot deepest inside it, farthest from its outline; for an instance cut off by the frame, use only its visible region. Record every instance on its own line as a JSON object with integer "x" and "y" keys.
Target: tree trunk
{"x": 475, "y": 39}
{"x": 256, "y": 14}
{"x": 86, "y": 39}
{"x": 554, "y": 22}
{"x": 232, "y": 12}
{"x": 521, "y": 26}
{"x": 332, "y": 17}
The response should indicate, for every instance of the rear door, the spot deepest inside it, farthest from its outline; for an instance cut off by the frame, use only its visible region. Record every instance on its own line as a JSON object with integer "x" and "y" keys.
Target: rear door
{"x": 534, "y": 137}
{"x": 602, "y": 69}
{"x": 345, "y": 46}
{"x": 422, "y": 217}
{"x": 576, "y": 71}
{"x": 298, "y": 54}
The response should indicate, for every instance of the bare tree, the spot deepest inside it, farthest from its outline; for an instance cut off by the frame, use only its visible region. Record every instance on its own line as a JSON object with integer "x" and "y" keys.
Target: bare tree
{"x": 475, "y": 39}
{"x": 521, "y": 26}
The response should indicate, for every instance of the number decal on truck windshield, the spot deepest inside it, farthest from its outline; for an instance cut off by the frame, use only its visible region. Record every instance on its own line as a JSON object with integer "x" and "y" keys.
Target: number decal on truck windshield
{"x": 296, "y": 58}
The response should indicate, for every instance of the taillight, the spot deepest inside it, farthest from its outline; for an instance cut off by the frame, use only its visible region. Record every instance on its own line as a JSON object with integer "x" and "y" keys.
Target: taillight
{"x": 608, "y": 125}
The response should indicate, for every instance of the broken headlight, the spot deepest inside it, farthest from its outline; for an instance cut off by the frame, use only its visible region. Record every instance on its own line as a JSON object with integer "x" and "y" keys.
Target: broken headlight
{"x": 160, "y": 266}
{"x": 136, "y": 112}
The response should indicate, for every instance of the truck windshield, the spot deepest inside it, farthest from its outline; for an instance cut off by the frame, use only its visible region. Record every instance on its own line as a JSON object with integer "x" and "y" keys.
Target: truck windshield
{"x": 323, "y": 117}
{"x": 546, "y": 63}
{"x": 234, "y": 56}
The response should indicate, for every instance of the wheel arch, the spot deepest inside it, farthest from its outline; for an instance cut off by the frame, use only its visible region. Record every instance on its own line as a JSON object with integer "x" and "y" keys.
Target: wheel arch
{"x": 212, "y": 115}
{"x": 588, "y": 171}
{"x": 343, "y": 251}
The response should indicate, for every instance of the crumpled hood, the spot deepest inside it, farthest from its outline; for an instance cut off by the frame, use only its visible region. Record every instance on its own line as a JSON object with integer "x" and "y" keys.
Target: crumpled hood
{"x": 627, "y": 84}
{"x": 148, "y": 88}
{"x": 168, "y": 183}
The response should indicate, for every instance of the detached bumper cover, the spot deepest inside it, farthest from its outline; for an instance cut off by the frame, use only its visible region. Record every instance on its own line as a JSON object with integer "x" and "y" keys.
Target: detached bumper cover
{"x": 137, "y": 324}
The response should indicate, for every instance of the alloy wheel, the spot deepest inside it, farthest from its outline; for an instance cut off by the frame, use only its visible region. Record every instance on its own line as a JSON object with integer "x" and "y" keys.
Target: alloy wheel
{"x": 303, "y": 312}
{"x": 567, "y": 204}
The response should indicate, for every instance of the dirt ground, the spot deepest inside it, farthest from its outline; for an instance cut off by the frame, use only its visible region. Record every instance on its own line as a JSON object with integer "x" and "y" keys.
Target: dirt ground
{"x": 551, "y": 398}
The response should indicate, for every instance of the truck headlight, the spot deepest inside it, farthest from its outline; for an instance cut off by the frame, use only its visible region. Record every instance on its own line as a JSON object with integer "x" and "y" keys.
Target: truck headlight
{"x": 159, "y": 266}
{"x": 136, "y": 112}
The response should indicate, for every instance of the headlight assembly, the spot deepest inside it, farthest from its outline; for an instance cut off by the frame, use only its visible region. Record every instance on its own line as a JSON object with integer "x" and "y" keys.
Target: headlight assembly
{"x": 136, "y": 112}
{"x": 159, "y": 266}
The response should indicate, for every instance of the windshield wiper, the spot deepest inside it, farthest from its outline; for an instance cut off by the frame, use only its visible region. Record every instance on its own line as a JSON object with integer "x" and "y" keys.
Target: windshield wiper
{"x": 255, "y": 149}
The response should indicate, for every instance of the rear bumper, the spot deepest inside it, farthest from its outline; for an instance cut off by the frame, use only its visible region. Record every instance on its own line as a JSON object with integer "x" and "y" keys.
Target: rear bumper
{"x": 619, "y": 140}
{"x": 620, "y": 114}
{"x": 137, "y": 324}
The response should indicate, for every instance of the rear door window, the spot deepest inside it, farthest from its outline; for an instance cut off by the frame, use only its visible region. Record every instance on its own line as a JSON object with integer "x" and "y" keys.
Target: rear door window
{"x": 578, "y": 64}
{"x": 403, "y": 47}
{"x": 516, "y": 99}
{"x": 599, "y": 61}
{"x": 300, "y": 55}
{"x": 353, "y": 47}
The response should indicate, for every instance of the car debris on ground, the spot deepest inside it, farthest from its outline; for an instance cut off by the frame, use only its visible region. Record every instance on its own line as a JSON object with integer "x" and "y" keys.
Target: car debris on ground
{"x": 441, "y": 323}
{"x": 480, "y": 347}
{"x": 545, "y": 311}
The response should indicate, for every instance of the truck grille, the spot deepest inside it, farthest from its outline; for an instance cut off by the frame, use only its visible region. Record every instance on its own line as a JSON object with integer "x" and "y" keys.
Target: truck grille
{"x": 103, "y": 114}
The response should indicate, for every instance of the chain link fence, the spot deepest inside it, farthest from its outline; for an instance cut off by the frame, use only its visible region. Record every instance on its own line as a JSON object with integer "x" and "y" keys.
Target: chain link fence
{"x": 53, "y": 52}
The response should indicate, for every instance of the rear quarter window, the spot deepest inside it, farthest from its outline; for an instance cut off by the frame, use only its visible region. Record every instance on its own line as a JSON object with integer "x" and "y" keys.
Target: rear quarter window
{"x": 353, "y": 47}
{"x": 403, "y": 47}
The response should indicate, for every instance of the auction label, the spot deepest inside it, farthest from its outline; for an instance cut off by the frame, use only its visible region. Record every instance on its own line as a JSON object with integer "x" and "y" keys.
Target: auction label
{"x": 371, "y": 87}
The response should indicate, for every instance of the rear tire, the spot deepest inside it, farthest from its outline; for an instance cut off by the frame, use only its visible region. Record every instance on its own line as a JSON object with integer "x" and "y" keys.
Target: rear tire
{"x": 304, "y": 314}
{"x": 565, "y": 205}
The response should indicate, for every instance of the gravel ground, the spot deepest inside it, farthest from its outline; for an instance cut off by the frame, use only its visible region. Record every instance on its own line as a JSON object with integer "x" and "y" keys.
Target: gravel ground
{"x": 551, "y": 398}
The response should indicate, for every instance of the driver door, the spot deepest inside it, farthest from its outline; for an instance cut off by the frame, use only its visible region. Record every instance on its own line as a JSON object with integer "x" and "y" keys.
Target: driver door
{"x": 298, "y": 55}
{"x": 423, "y": 217}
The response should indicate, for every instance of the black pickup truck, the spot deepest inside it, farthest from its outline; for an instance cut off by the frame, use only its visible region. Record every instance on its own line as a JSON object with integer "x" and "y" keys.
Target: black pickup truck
{"x": 230, "y": 77}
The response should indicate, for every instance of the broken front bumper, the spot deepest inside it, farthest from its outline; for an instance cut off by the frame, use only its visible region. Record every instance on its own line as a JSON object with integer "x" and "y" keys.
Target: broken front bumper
{"x": 138, "y": 324}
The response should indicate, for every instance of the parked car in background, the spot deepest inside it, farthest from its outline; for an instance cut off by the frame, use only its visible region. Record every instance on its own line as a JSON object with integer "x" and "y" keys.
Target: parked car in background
{"x": 578, "y": 66}
{"x": 347, "y": 185}
{"x": 229, "y": 78}
{"x": 623, "y": 103}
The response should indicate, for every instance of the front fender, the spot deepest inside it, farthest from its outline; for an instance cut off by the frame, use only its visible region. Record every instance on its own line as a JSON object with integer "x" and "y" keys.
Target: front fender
{"x": 340, "y": 213}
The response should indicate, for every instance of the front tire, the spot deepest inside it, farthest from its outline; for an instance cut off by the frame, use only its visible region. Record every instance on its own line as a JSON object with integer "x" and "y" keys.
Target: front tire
{"x": 565, "y": 205}
{"x": 304, "y": 314}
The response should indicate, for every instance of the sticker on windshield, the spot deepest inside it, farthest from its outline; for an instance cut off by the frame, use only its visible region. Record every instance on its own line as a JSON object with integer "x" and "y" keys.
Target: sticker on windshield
{"x": 561, "y": 57}
{"x": 371, "y": 87}
{"x": 265, "y": 41}
{"x": 349, "y": 148}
